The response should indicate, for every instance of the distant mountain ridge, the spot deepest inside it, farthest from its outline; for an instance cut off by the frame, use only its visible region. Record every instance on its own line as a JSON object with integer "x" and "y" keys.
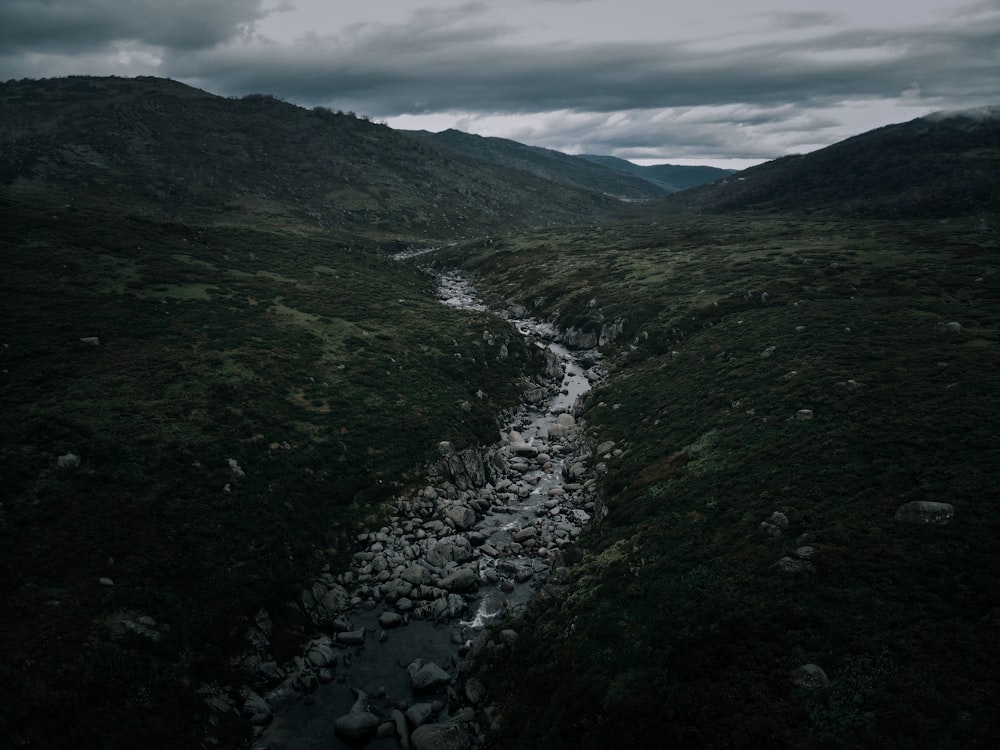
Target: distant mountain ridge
{"x": 671, "y": 177}
{"x": 606, "y": 174}
{"x": 546, "y": 163}
{"x": 944, "y": 164}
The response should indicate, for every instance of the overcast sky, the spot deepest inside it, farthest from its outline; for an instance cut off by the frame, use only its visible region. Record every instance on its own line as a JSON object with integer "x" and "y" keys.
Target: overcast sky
{"x": 726, "y": 82}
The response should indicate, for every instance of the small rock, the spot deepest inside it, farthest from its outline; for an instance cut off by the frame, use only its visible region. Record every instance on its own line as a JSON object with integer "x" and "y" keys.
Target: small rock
{"x": 68, "y": 461}
{"x": 951, "y": 327}
{"x": 925, "y": 512}
{"x": 352, "y": 637}
{"x": 803, "y": 414}
{"x": 390, "y": 620}
{"x": 105, "y": 582}
{"x": 791, "y": 565}
{"x": 810, "y": 677}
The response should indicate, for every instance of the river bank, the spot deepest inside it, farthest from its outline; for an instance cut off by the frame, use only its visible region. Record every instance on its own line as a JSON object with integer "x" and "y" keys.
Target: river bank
{"x": 456, "y": 561}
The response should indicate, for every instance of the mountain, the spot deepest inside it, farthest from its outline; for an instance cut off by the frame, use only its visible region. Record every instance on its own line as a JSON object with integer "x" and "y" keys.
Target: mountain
{"x": 179, "y": 150}
{"x": 548, "y": 164}
{"x": 671, "y": 177}
{"x": 945, "y": 164}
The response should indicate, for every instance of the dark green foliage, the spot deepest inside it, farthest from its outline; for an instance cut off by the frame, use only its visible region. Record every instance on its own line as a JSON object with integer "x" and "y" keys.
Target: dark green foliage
{"x": 551, "y": 165}
{"x": 232, "y": 324}
{"x": 674, "y": 630}
{"x": 936, "y": 166}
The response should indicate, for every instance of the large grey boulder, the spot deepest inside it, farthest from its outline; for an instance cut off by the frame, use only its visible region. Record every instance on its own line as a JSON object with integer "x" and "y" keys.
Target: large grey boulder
{"x": 925, "y": 512}
{"x": 462, "y": 516}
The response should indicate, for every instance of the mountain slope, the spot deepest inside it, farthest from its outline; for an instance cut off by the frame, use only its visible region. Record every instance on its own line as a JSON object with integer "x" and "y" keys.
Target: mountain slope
{"x": 551, "y": 165}
{"x": 671, "y": 177}
{"x": 941, "y": 165}
{"x": 180, "y": 150}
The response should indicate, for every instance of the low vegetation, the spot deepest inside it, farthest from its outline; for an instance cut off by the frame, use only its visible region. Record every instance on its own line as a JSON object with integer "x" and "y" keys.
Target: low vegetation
{"x": 771, "y": 365}
{"x": 199, "y": 414}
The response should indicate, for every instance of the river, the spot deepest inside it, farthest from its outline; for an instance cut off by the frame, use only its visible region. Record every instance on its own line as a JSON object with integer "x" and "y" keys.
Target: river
{"x": 535, "y": 504}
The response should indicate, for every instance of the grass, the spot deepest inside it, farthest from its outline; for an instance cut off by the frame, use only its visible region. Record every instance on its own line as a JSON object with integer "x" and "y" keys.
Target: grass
{"x": 674, "y": 628}
{"x": 328, "y": 372}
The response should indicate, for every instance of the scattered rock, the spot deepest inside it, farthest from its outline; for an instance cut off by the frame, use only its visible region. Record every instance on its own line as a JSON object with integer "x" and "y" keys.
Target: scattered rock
{"x": 359, "y": 723}
{"x": 419, "y": 713}
{"x": 793, "y": 565}
{"x": 68, "y": 461}
{"x": 256, "y": 710}
{"x": 389, "y": 620}
{"x": 950, "y": 327}
{"x": 427, "y": 676}
{"x": 463, "y": 579}
{"x": 810, "y": 677}
{"x": 352, "y": 637}
{"x": 925, "y": 512}
{"x": 803, "y": 414}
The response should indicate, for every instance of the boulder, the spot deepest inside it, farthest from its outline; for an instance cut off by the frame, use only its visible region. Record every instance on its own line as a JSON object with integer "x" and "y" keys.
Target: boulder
{"x": 925, "y": 512}
{"x": 352, "y": 637}
{"x": 462, "y": 516}
{"x": 359, "y": 723}
{"x": 419, "y": 713}
{"x": 810, "y": 677}
{"x": 427, "y": 676}
{"x": 256, "y": 710}
{"x": 68, "y": 461}
{"x": 389, "y": 620}
{"x": 462, "y": 579}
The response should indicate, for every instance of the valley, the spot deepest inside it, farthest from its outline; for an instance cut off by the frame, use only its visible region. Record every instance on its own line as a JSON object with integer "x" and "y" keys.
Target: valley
{"x": 244, "y": 440}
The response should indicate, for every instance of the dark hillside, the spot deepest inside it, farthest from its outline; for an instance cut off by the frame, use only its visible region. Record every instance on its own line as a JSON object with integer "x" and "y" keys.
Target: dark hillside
{"x": 671, "y": 177}
{"x": 178, "y": 150}
{"x": 548, "y": 164}
{"x": 780, "y": 390}
{"x": 935, "y": 166}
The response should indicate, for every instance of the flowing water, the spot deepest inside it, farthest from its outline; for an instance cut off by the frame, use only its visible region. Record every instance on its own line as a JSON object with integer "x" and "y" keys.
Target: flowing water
{"x": 379, "y": 667}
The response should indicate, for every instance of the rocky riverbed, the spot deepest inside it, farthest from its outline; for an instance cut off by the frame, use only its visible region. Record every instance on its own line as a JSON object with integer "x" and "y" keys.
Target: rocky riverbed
{"x": 465, "y": 551}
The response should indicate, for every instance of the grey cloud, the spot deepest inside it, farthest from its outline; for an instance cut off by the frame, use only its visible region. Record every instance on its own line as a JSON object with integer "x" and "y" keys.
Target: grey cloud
{"x": 802, "y": 20}
{"x": 64, "y": 26}
{"x": 394, "y": 71}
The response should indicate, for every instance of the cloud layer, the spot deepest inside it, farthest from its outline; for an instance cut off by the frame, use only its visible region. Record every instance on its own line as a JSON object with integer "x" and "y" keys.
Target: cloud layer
{"x": 768, "y": 81}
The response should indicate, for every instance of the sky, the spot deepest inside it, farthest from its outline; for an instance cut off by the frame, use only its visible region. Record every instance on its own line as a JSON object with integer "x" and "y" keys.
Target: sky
{"x": 723, "y": 82}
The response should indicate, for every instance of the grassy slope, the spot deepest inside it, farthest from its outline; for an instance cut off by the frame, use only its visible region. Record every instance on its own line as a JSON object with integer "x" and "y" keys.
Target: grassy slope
{"x": 328, "y": 373}
{"x": 672, "y": 630}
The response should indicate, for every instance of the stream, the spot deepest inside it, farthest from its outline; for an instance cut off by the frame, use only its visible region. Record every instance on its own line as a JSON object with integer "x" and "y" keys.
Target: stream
{"x": 465, "y": 552}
